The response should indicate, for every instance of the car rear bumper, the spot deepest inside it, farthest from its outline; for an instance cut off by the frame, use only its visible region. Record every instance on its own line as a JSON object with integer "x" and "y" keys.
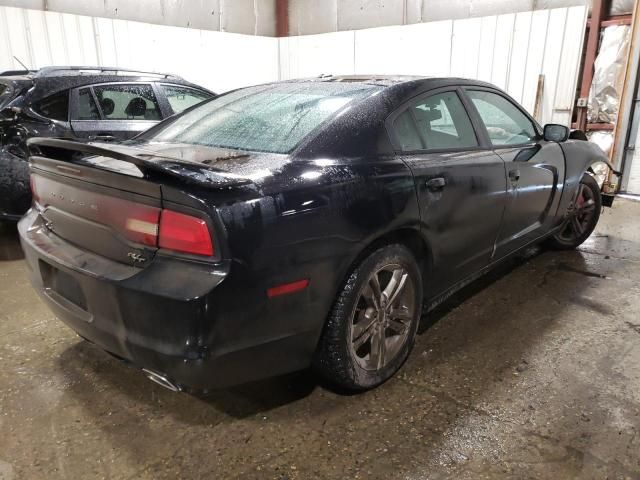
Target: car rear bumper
{"x": 195, "y": 324}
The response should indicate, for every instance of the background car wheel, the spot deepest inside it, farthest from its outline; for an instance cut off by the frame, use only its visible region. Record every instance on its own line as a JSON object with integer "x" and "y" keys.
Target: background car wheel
{"x": 372, "y": 326}
{"x": 582, "y": 218}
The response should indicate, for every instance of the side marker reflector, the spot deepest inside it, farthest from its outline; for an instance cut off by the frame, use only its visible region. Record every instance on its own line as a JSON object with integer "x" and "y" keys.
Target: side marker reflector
{"x": 286, "y": 288}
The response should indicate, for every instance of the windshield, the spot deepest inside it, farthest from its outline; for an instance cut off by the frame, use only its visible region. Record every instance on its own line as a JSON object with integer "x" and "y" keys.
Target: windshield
{"x": 271, "y": 118}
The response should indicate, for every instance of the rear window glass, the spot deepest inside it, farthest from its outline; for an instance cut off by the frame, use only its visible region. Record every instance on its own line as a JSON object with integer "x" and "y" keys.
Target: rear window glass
{"x": 272, "y": 118}
{"x": 127, "y": 102}
{"x": 55, "y": 106}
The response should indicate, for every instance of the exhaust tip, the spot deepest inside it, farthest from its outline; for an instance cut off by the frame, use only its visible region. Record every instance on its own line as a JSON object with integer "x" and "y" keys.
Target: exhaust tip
{"x": 161, "y": 380}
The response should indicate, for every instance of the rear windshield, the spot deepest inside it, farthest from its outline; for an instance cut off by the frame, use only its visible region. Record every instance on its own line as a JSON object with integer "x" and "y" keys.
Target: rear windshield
{"x": 272, "y": 118}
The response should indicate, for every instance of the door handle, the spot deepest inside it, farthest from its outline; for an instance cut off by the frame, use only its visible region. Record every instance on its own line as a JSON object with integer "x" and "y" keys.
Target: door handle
{"x": 514, "y": 175}
{"x": 104, "y": 137}
{"x": 435, "y": 184}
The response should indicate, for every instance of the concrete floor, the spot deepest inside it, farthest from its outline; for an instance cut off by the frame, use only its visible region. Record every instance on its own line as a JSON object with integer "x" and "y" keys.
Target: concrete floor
{"x": 532, "y": 372}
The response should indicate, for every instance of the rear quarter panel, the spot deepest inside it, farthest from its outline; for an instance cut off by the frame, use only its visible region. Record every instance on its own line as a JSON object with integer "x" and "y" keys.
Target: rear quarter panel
{"x": 308, "y": 221}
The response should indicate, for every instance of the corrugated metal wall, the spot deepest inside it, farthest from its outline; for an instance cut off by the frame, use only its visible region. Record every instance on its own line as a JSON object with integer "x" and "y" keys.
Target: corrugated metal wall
{"x": 509, "y": 50}
{"x": 217, "y": 60}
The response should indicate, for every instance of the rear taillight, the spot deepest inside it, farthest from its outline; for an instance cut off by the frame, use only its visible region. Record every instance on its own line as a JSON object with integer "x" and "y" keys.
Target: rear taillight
{"x": 184, "y": 233}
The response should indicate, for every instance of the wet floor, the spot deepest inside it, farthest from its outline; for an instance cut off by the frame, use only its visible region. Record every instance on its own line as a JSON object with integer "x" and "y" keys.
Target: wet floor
{"x": 532, "y": 372}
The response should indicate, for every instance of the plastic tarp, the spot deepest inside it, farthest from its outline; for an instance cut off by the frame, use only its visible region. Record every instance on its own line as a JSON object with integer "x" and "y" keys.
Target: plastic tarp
{"x": 621, "y": 7}
{"x": 608, "y": 75}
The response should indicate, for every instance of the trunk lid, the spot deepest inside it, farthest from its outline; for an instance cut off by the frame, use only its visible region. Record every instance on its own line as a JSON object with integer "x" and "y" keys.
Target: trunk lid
{"x": 107, "y": 198}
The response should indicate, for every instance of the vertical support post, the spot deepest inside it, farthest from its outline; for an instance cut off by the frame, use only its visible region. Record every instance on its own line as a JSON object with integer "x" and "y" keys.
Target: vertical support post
{"x": 597, "y": 15}
{"x": 537, "y": 107}
{"x": 282, "y": 18}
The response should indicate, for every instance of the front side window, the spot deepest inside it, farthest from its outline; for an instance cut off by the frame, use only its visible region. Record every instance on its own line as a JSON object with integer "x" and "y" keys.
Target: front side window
{"x": 55, "y": 107}
{"x": 506, "y": 124}
{"x": 441, "y": 122}
{"x": 181, "y": 98}
{"x": 269, "y": 118}
{"x": 127, "y": 102}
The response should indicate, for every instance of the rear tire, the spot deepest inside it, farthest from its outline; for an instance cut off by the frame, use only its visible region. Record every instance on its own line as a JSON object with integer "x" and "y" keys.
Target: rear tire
{"x": 372, "y": 325}
{"x": 582, "y": 218}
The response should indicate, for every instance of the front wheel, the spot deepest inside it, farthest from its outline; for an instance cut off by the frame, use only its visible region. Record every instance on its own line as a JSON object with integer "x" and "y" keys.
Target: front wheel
{"x": 372, "y": 326}
{"x": 582, "y": 217}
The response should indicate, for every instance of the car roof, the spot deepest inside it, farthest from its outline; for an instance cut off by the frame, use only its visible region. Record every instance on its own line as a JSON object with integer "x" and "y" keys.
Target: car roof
{"x": 401, "y": 81}
{"x": 50, "y": 80}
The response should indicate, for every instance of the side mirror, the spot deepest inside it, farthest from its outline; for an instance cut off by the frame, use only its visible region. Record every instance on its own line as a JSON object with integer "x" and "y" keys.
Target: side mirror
{"x": 555, "y": 133}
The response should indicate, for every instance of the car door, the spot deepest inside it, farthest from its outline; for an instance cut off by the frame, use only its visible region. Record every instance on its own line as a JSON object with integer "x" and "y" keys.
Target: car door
{"x": 460, "y": 183}
{"x": 535, "y": 168}
{"x": 114, "y": 111}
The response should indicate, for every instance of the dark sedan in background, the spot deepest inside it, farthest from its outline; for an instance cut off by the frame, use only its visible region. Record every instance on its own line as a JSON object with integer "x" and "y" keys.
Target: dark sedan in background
{"x": 297, "y": 224}
{"x": 94, "y": 103}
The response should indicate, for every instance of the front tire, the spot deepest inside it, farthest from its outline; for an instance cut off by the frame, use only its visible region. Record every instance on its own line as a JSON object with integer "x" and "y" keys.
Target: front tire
{"x": 372, "y": 325}
{"x": 582, "y": 218}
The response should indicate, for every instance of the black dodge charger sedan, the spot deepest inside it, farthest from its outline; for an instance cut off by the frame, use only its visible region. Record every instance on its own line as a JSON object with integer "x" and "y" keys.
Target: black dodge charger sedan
{"x": 296, "y": 224}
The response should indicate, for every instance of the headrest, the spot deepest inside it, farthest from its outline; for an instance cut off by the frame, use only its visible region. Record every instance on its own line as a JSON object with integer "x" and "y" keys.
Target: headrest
{"x": 136, "y": 108}
{"x": 108, "y": 106}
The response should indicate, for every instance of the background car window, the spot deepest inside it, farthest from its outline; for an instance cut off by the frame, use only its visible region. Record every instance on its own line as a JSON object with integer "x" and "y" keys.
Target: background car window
{"x": 443, "y": 122}
{"x": 406, "y": 133}
{"x": 505, "y": 123}
{"x": 55, "y": 106}
{"x": 5, "y": 93}
{"x": 127, "y": 102}
{"x": 181, "y": 98}
{"x": 87, "y": 109}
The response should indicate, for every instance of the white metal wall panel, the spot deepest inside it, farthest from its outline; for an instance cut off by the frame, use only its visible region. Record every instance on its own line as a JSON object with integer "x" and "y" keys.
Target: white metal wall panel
{"x": 567, "y": 72}
{"x": 502, "y": 50}
{"x": 518, "y": 56}
{"x": 465, "y": 47}
{"x": 535, "y": 56}
{"x": 217, "y": 60}
{"x": 486, "y": 46}
{"x": 551, "y": 60}
{"x": 510, "y": 50}
{"x": 405, "y": 50}
{"x": 313, "y": 55}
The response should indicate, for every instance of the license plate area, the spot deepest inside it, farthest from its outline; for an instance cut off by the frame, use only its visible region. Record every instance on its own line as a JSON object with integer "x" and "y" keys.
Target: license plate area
{"x": 58, "y": 284}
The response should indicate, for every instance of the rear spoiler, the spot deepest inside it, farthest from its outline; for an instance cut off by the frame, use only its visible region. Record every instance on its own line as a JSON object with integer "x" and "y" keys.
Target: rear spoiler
{"x": 149, "y": 163}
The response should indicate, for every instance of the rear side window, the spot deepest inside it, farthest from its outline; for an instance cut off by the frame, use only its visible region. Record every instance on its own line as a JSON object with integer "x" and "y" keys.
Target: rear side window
{"x": 127, "y": 102}
{"x": 181, "y": 98}
{"x": 406, "y": 132}
{"x": 87, "y": 109}
{"x": 506, "y": 124}
{"x": 55, "y": 107}
{"x": 441, "y": 122}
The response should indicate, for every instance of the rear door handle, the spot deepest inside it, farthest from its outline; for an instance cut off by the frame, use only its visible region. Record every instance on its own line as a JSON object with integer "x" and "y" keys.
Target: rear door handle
{"x": 105, "y": 137}
{"x": 514, "y": 175}
{"x": 437, "y": 183}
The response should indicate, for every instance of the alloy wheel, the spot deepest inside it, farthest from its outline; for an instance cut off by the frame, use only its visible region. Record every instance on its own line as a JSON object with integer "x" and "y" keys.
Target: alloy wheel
{"x": 580, "y": 216}
{"x": 382, "y": 318}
